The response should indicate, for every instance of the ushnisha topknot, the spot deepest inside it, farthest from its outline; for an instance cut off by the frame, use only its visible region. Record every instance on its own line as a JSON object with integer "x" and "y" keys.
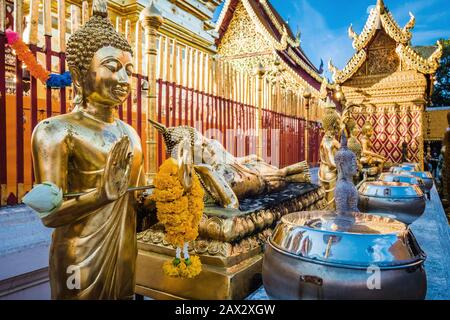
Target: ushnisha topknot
{"x": 96, "y": 33}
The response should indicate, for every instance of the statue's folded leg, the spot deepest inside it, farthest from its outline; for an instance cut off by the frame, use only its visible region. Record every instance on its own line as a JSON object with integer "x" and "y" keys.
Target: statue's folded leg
{"x": 217, "y": 186}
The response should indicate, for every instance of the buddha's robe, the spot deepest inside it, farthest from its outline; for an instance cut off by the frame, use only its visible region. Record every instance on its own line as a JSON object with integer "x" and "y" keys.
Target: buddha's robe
{"x": 327, "y": 169}
{"x": 93, "y": 251}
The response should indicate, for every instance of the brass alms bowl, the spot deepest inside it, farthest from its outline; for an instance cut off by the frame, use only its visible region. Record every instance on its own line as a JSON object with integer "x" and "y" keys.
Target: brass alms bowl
{"x": 324, "y": 255}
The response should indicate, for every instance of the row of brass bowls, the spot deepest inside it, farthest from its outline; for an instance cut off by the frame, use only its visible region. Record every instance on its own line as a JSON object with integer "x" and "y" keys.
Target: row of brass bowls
{"x": 403, "y": 178}
{"x": 413, "y": 169}
{"x": 402, "y": 201}
{"x": 322, "y": 255}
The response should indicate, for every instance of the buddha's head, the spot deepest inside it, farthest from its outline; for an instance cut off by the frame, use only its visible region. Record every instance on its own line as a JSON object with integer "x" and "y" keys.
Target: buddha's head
{"x": 350, "y": 125}
{"x": 367, "y": 130}
{"x": 100, "y": 61}
{"x": 331, "y": 119}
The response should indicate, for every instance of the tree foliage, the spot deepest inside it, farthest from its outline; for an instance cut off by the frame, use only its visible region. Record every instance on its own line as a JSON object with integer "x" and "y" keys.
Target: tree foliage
{"x": 441, "y": 93}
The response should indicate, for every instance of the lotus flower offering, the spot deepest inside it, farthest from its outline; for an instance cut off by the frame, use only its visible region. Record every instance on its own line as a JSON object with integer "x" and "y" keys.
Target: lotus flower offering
{"x": 44, "y": 198}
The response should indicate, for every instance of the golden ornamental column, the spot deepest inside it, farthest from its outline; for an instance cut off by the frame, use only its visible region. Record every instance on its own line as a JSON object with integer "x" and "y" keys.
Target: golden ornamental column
{"x": 151, "y": 19}
{"x": 307, "y": 96}
{"x": 259, "y": 147}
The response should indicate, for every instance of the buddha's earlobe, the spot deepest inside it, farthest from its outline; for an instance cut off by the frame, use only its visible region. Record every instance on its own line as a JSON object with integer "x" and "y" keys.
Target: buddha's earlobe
{"x": 78, "y": 97}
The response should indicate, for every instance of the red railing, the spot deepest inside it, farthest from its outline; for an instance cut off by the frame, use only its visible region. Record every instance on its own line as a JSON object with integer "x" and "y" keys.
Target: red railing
{"x": 234, "y": 125}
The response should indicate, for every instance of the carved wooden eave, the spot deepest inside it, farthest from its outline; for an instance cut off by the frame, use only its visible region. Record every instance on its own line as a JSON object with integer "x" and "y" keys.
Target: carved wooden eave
{"x": 381, "y": 18}
{"x": 277, "y": 33}
{"x": 355, "y": 62}
{"x": 415, "y": 61}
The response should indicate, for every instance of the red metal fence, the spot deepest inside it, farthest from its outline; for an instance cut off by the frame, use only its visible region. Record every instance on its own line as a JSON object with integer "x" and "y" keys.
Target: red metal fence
{"x": 234, "y": 125}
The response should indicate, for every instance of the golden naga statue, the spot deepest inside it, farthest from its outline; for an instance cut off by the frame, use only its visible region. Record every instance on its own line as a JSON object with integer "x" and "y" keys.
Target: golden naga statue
{"x": 368, "y": 157}
{"x": 328, "y": 148}
{"x": 89, "y": 151}
{"x": 224, "y": 177}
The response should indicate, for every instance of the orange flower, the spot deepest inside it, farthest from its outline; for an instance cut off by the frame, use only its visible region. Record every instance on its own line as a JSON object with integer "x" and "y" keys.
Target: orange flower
{"x": 24, "y": 54}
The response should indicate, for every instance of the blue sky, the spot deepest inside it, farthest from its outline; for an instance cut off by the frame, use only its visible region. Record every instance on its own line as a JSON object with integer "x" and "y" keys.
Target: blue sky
{"x": 323, "y": 23}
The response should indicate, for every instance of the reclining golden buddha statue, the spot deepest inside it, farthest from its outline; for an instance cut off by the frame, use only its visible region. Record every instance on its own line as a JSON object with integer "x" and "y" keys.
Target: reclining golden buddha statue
{"x": 227, "y": 178}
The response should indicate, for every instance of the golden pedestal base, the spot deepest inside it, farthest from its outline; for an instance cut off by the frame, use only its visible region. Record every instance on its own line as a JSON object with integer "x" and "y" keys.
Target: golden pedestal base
{"x": 213, "y": 283}
{"x": 230, "y": 247}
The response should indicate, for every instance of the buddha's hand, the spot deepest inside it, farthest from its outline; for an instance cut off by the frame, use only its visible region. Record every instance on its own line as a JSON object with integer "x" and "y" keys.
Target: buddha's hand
{"x": 116, "y": 177}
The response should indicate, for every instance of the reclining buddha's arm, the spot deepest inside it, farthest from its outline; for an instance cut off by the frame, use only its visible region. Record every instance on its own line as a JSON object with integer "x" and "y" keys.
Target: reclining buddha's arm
{"x": 218, "y": 186}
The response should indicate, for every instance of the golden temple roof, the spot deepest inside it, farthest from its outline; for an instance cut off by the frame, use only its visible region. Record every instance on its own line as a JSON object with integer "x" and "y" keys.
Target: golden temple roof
{"x": 381, "y": 18}
{"x": 276, "y": 30}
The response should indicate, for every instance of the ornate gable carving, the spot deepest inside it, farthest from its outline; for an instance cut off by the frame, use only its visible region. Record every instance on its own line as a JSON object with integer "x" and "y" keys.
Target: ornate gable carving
{"x": 242, "y": 31}
{"x": 382, "y": 58}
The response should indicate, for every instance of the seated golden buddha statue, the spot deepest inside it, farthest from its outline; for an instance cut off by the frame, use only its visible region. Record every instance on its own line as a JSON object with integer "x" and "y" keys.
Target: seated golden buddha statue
{"x": 368, "y": 157}
{"x": 90, "y": 151}
{"x": 227, "y": 178}
{"x": 328, "y": 148}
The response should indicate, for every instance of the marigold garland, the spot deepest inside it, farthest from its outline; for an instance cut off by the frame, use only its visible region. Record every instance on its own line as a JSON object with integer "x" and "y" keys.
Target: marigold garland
{"x": 180, "y": 213}
{"x": 25, "y": 55}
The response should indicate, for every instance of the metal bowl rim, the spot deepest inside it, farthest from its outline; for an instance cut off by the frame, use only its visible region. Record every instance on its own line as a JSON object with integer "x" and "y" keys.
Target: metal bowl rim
{"x": 331, "y": 232}
{"x": 402, "y": 264}
{"x": 422, "y": 196}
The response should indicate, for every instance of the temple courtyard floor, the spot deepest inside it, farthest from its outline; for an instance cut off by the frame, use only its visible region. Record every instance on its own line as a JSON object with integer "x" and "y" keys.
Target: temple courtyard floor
{"x": 24, "y": 244}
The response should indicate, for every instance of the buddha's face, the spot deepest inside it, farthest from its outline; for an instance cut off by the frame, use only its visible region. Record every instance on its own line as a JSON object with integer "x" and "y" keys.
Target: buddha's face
{"x": 368, "y": 131}
{"x": 108, "y": 81}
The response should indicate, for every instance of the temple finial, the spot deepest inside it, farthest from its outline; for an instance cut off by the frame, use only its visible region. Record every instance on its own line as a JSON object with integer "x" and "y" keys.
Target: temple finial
{"x": 351, "y": 33}
{"x": 411, "y": 23}
{"x": 380, "y": 6}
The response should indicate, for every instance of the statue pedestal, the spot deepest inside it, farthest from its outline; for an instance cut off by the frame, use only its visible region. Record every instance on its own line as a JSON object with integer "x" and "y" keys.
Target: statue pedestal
{"x": 230, "y": 246}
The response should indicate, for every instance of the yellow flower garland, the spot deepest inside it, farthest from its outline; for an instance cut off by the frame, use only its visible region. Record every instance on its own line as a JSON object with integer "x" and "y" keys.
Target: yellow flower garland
{"x": 180, "y": 213}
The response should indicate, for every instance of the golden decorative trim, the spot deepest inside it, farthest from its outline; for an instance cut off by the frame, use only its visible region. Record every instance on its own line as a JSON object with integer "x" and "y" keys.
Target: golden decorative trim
{"x": 323, "y": 89}
{"x": 349, "y": 70}
{"x": 362, "y": 40}
{"x": 381, "y": 15}
{"x": 393, "y": 29}
{"x": 416, "y": 62}
{"x": 278, "y": 45}
{"x": 282, "y": 29}
{"x": 304, "y": 66}
{"x": 206, "y": 245}
{"x": 222, "y": 15}
{"x": 260, "y": 49}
